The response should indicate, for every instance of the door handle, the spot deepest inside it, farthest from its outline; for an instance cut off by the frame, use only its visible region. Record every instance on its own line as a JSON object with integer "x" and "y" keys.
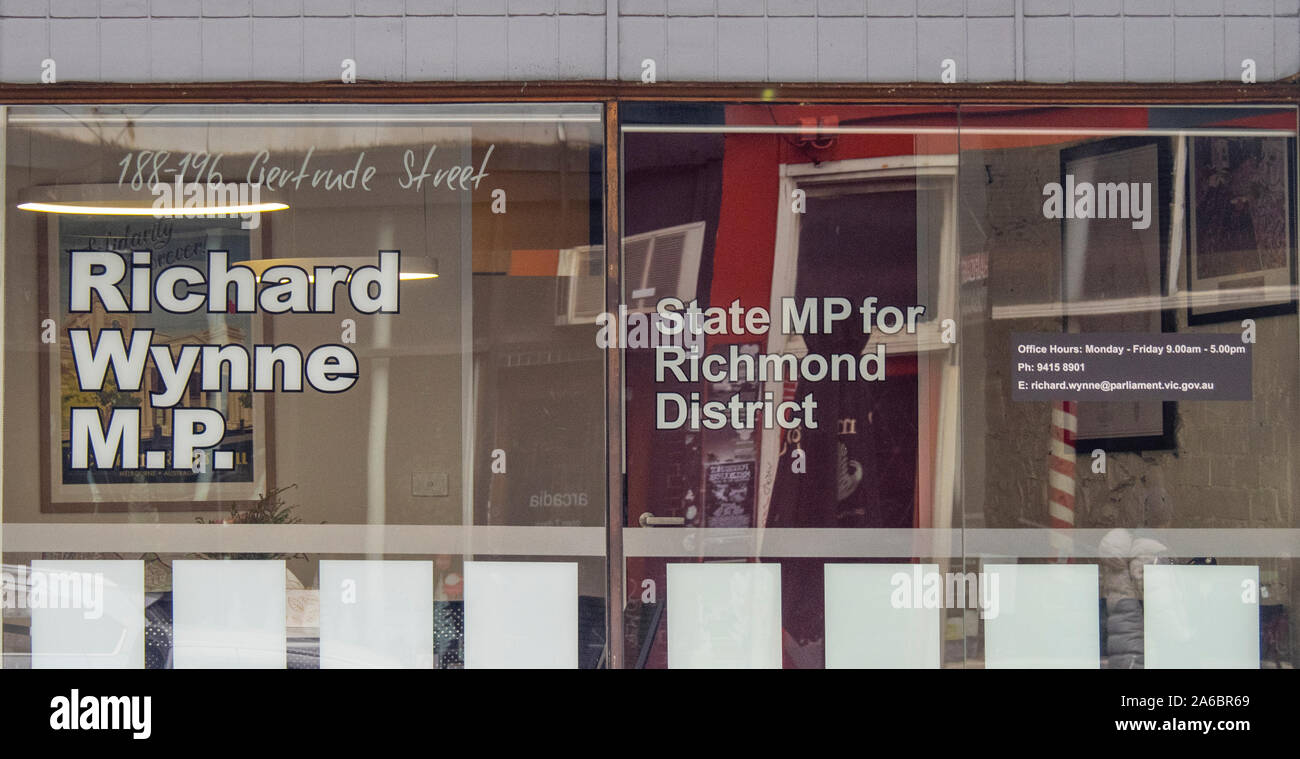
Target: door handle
{"x": 650, "y": 520}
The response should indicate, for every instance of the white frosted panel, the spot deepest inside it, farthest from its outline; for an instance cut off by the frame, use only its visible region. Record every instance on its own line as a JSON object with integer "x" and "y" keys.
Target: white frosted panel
{"x": 521, "y": 614}
{"x": 87, "y": 614}
{"x": 724, "y": 616}
{"x": 1042, "y": 616}
{"x": 877, "y": 616}
{"x": 1201, "y": 617}
{"x": 376, "y": 614}
{"x": 228, "y": 614}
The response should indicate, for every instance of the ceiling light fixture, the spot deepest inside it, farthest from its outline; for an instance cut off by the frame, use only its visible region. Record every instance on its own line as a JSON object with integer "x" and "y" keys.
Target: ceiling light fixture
{"x": 95, "y": 209}
{"x": 229, "y": 200}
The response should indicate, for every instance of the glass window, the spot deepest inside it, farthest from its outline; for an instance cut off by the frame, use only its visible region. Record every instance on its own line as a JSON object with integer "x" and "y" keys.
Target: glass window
{"x": 1022, "y": 379}
{"x": 350, "y": 350}
{"x": 1129, "y": 355}
{"x": 883, "y": 386}
{"x": 780, "y": 442}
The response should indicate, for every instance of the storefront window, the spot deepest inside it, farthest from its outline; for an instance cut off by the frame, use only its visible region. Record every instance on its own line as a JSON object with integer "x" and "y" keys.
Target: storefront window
{"x": 286, "y": 383}
{"x": 1024, "y": 378}
{"x": 909, "y": 386}
{"x": 1130, "y": 371}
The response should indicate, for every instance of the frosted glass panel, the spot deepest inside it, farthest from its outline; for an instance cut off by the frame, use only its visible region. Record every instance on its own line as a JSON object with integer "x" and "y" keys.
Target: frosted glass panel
{"x": 521, "y": 614}
{"x": 87, "y": 614}
{"x": 1202, "y": 617}
{"x": 1042, "y": 616}
{"x": 724, "y": 616}
{"x": 228, "y": 614}
{"x": 876, "y": 616}
{"x": 376, "y": 614}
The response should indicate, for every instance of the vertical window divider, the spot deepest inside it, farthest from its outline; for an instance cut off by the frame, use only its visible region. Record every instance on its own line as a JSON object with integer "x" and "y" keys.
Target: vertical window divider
{"x": 613, "y": 395}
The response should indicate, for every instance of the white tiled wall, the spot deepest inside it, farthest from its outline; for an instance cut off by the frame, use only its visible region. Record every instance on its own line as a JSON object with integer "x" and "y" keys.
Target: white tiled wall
{"x": 690, "y": 40}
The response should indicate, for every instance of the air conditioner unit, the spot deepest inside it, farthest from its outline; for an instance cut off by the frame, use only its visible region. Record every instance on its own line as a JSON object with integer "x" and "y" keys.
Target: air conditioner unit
{"x": 660, "y": 264}
{"x": 580, "y": 292}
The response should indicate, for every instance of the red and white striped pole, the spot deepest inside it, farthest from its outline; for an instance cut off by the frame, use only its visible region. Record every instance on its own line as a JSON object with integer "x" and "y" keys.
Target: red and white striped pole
{"x": 1060, "y": 476}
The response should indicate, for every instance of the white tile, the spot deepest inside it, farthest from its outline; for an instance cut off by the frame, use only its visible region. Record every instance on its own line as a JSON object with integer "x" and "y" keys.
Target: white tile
{"x": 376, "y": 614}
{"x": 1043, "y": 616}
{"x": 873, "y": 620}
{"x": 228, "y": 614}
{"x": 582, "y": 47}
{"x": 641, "y": 38}
{"x": 1201, "y": 617}
{"x": 90, "y": 614}
{"x": 277, "y": 48}
{"x": 724, "y": 616}
{"x": 521, "y": 615}
{"x": 481, "y": 48}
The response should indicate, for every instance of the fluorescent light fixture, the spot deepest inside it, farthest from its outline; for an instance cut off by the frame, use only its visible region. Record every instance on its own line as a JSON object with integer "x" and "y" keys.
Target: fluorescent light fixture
{"x": 119, "y": 210}
{"x": 413, "y": 267}
{"x": 111, "y": 200}
{"x": 115, "y": 200}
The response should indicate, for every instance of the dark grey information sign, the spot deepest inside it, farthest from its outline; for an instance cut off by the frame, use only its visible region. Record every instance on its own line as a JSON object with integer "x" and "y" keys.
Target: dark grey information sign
{"x": 1127, "y": 366}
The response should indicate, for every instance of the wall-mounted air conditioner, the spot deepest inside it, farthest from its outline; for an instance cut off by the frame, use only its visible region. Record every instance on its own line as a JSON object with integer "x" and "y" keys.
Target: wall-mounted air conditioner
{"x": 660, "y": 264}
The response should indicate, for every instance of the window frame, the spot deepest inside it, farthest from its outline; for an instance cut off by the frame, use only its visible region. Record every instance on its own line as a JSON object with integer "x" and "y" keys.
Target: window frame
{"x": 610, "y": 94}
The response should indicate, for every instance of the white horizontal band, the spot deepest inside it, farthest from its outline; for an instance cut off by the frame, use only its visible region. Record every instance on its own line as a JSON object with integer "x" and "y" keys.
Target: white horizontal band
{"x": 666, "y": 542}
{"x": 1028, "y": 543}
{"x": 790, "y": 542}
{"x": 305, "y": 538}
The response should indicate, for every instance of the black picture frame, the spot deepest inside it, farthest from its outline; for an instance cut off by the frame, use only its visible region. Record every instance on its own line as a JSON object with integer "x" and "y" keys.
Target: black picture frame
{"x": 1166, "y": 318}
{"x": 1195, "y": 146}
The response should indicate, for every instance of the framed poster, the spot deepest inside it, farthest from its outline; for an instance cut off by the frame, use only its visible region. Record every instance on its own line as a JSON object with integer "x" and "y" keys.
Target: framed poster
{"x": 730, "y": 457}
{"x": 1241, "y": 258}
{"x": 1114, "y": 247}
{"x": 240, "y": 475}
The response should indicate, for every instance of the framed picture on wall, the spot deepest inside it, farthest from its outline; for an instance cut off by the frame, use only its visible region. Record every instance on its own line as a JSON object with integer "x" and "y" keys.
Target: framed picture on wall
{"x": 1241, "y": 258}
{"x": 1115, "y": 261}
{"x": 241, "y": 473}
